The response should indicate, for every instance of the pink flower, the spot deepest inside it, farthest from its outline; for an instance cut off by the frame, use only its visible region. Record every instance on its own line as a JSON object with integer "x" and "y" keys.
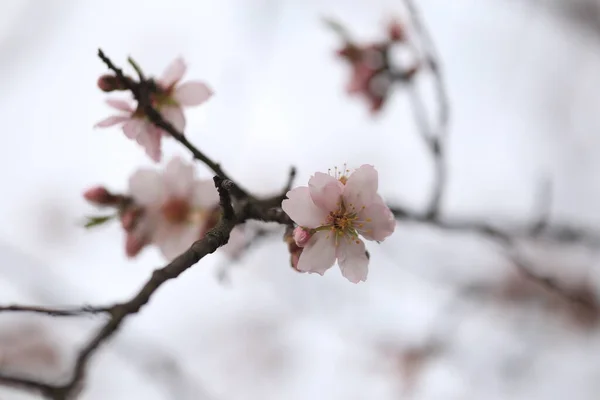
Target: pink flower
{"x": 337, "y": 210}
{"x": 368, "y": 78}
{"x": 137, "y": 127}
{"x": 169, "y": 100}
{"x": 177, "y": 206}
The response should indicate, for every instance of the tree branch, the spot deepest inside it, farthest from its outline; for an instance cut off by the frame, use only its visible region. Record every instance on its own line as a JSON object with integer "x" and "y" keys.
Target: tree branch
{"x": 57, "y": 312}
{"x": 140, "y": 91}
{"x": 214, "y": 239}
{"x": 434, "y": 138}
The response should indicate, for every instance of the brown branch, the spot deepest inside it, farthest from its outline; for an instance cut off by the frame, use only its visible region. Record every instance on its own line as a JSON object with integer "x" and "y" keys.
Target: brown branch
{"x": 141, "y": 92}
{"x": 434, "y": 138}
{"x": 508, "y": 238}
{"x": 57, "y": 312}
{"x": 214, "y": 239}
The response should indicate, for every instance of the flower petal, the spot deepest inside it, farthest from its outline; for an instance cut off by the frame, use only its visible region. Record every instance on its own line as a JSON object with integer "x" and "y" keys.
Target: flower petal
{"x": 112, "y": 120}
{"x": 301, "y": 208}
{"x": 174, "y": 114}
{"x": 319, "y": 253}
{"x": 377, "y": 221}
{"x": 174, "y": 239}
{"x": 150, "y": 139}
{"x": 205, "y": 194}
{"x": 173, "y": 73}
{"x": 179, "y": 178}
{"x": 134, "y": 127}
{"x": 146, "y": 188}
{"x": 325, "y": 191}
{"x": 121, "y": 105}
{"x": 361, "y": 187}
{"x": 192, "y": 93}
{"x": 352, "y": 259}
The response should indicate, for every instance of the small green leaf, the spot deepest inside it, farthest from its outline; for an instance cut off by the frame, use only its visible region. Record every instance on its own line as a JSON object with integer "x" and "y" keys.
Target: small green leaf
{"x": 337, "y": 27}
{"x": 98, "y": 220}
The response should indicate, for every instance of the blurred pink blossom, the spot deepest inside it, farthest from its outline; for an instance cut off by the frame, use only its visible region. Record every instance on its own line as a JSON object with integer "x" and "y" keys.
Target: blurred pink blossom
{"x": 336, "y": 210}
{"x": 176, "y": 205}
{"x": 178, "y": 209}
{"x": 169, "y": 99}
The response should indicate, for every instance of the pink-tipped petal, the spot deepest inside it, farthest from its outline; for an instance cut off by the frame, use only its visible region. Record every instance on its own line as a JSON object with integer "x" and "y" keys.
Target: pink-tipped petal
{"x": 173, "y": 240}
{"x": 352, "y": 259}
{"x": 361, "y": 187}
{"x": 173, "y": 73}
{"x": 192, "y": 93}
{"x": 325, "y": 191}
{"x": 112, "y": 120}
{"x": 146, "y": 187}
{"x": 205, "y": 194}
{"x": 319, "y": 253}
{"x": 174, "y": 114}
{"x": 133, "y": 245}
{"x": 179, "y": 178}
{"x": 134, "y": 128}
{"x": 377, "y": 221}
{"x": 301, "y": 208}
{"x": 121, "y": 105}
{"x": 150, "y": 140}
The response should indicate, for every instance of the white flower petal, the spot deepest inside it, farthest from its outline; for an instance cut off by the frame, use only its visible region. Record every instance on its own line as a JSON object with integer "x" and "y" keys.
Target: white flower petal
{"x": 192, "y": 93}
{"x": 361, "y": 187}
{"x": 319, "y": 253}
{"x": 112, "y": 120}
{"x": 174, "y": 114}
{"x": 325, "y": 191}
{"x": 301, "y": 208}
{"x": 146, "y": 187}
{"x": 352, "y": 259}
{"x": 121, "y": 105}
{"x": 173, "y": 73}
{"x": 179, "y": 178}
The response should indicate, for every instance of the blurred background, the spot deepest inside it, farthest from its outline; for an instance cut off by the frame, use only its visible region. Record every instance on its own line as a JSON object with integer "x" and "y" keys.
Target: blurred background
{"x": 523, "y": 82}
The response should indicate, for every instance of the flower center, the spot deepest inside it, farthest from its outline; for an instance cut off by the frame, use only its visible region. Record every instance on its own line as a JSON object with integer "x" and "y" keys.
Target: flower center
{"x": 342, "y": 222}
{"x": 176, "y": 211}
{"x": 341, "y": 174}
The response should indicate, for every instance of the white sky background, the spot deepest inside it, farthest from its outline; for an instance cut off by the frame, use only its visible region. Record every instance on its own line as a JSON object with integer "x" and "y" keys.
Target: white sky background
{"x": 523, "y": 87}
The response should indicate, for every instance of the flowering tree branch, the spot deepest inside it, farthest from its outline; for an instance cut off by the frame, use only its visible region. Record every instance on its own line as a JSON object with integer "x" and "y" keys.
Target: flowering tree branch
{"x": 142, "y": 93}
{"x": 214, "y": 239}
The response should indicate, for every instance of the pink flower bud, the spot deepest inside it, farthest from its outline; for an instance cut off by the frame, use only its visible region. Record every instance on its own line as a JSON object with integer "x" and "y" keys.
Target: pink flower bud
{"x": 110, "y": 83}
{"x": 100, "y": 196}
{"x": 301, "y": 236}
{"x": 396, "y": 31}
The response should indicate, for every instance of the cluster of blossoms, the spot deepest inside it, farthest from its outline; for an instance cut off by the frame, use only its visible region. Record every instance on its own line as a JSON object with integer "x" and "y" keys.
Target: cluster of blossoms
{"x": 332, "y": 213}
{"x": 167, "y": 96}
{"x": 170, "y": 209}
{"x": 373, "y": 72}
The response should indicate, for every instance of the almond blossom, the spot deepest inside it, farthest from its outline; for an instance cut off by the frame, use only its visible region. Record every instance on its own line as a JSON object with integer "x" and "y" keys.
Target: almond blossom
{"x": 176, "y": 209}
{"x": 169, "y": 98}
{"x": 336, "y": 211}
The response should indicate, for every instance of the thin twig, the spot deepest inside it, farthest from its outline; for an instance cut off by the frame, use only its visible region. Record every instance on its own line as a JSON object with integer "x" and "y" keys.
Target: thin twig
{"x": 434, "y": 137}
{"x": 57, "y": 312}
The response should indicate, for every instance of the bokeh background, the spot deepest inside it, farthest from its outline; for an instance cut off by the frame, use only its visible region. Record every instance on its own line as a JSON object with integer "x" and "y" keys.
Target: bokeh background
{"x": 523, "y": 81}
